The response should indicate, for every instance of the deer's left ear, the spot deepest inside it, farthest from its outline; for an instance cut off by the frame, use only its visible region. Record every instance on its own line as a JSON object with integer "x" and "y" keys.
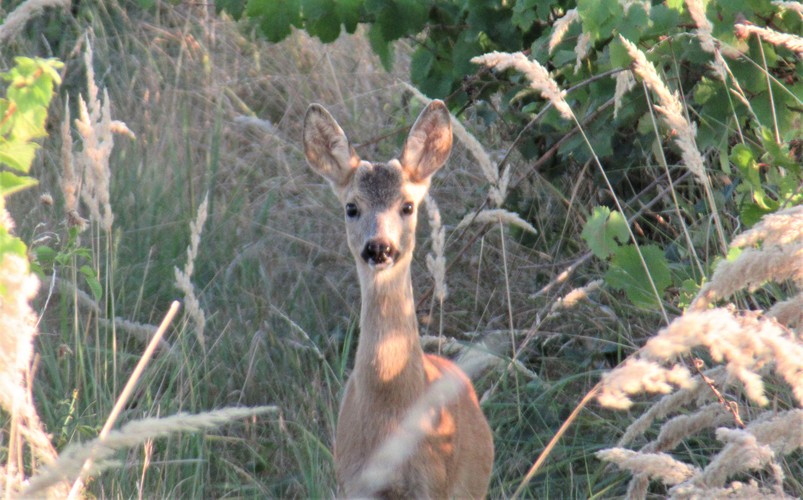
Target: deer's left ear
{"x": 430, "y": 141}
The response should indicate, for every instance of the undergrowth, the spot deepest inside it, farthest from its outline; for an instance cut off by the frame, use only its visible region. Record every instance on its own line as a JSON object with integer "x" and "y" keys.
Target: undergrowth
{"x": 192, "y": 128}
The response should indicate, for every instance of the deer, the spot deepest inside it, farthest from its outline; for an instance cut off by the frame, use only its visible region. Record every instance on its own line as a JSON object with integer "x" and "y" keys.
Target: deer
{"x": 454, "y": 456}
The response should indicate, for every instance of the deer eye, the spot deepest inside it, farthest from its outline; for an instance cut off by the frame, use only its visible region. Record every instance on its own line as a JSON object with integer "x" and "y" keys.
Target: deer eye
{"x": 352, "y": 211}
{"x": 407, "y": 208}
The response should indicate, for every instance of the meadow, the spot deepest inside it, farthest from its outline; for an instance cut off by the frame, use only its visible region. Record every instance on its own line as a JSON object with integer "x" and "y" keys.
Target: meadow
{"x": 172, "y": 169}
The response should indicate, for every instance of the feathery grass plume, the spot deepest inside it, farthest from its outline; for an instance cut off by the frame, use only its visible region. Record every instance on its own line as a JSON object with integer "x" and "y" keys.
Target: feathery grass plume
{"x": 16, "y": 21}
{"x": 436, "y": 262}
{"x": 779, "y": 228}
{"x": 795, "y": 6}
{"x": 671, "y": 110}
{"x": 72, "y": 458}
{"x": 575, "y": 296}
{"x": 697, "y": 392}
{"x": 581, "y": 49}
{"x": 752, "y": 448}
{"x": 678, "y": 428}
{"x": 538, "y": 76}
{"x": 192, "y": 307}
{"x": 94, "y": 127}
{"x": 704, "y": 26}
{"x": 746, "y": 343}
{"x": 751, "y": 269}
{"x": 657, "y": 465}
{"x": 70, "y": 186}
{"x": 561, "y": 27}
{"x": 624, "y": 84}
{"x": 497, "y": 215}
{"x": 791, "y": 42}
{"x": 18, "y": 286}
{"x": 789, "y": 312}
{"x": 707, "y": 41}
{"x": 639, "y": 375}
{"x": 778, "y": 258}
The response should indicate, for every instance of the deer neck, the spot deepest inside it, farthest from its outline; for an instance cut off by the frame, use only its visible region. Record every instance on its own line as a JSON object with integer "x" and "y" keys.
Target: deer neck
{"x": 389, "y": 355}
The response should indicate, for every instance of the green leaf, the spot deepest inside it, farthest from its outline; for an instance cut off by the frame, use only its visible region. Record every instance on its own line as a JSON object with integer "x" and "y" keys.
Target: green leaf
{"x": 18, "y": 154}
{"x": 45, "y": 255}
{"x": 626, "y": 273}
{"x": 11, "y": 244}
{"x": 605, "y": 231}
{"x": 599, "y": 17}
{"x": 634, "y": 22}
{"x": 348, "y": 11}
{"x": 11, "y": 183}
{"x": 524, "y": 14}
{"x": 381, "y": 46}
{"x": 276, "y": 17}
{"x": 321, "y": 19}
{"x": 92, "y": 281}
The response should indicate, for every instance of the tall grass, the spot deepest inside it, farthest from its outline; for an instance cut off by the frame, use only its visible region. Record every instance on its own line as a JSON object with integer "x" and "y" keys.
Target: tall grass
{"x": 216, "y": 118}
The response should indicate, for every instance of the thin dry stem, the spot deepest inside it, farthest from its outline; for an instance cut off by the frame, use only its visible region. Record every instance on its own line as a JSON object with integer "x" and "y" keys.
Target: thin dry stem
{"x": 192, "y": 306}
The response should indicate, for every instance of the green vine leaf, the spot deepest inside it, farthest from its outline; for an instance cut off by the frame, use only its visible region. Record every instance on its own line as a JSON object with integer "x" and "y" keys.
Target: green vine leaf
{"x": 626, "y": 273}
{"x": 605, "y": 232}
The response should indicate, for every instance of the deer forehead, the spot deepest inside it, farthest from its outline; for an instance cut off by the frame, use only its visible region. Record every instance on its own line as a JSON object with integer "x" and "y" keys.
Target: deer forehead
{"x": 383, "y": 185}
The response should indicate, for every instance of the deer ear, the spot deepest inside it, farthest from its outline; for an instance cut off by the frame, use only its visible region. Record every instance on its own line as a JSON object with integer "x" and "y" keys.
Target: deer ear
{"x": 326, "y": 147}
{"x": 430, "y": 141}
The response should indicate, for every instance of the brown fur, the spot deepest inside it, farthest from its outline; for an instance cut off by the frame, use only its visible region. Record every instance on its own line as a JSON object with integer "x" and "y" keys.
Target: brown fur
{"x": 391, "y": 373}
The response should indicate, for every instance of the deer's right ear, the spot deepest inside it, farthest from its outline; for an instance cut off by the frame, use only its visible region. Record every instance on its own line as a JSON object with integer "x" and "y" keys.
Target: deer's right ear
{"x": 326, "y": 147}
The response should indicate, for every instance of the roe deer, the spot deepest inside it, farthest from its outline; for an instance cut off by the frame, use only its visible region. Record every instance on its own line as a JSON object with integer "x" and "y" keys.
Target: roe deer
{"x": 454, "y": 455}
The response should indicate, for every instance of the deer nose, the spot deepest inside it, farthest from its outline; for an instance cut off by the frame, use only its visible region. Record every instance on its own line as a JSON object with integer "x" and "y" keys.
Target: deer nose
{"x": 377, "y": 251}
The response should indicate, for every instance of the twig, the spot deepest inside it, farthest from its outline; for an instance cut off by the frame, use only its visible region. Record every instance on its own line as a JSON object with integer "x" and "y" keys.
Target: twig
{"x": 122, "y": 400}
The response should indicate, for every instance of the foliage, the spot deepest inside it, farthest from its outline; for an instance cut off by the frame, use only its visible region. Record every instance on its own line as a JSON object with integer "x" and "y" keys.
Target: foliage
{"x": 23, "y": 112}
{"x": 22, "y": 120}
{"x": 749, "y": 118}
{"x": 606, "y": 234}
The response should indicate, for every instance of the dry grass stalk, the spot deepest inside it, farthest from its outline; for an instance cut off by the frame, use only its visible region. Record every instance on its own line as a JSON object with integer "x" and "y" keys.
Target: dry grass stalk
{"x": 561, "y": 27}
{"x": 18, "y": 286}
{"x": 98, "y": 451}
{"x": 624, "y": 84}
{"x": 657, "y": 465}
{"x": 574, "y": 296}
{"x": 436, "y": 261}
{"x": 192, "y": 307}
{"x": 778, "y": 258}
{"x": 581, "y": 49}
{"x": 16, "y": 21}
{"x": 789, "y": 312}
{"x": 681, "y": 427}
{"x": 635, "y": 376}
{"x": 748, "y": 345}
{"x": 791, "y": 42}
{"x": 70, "y": 185}
{"x": 704, "y": 26}
{"x": 538, "y": 76}
{"x": 671, "y": 110}
{"x": 697, "y": 392}
{"x": 707, "y": 40}
{"x": 94, "y": 127}
{"x": 499, "y": 216}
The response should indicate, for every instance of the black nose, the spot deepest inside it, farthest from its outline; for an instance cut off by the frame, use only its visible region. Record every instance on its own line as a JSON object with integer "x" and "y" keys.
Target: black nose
{"x": 377, "y": 251}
